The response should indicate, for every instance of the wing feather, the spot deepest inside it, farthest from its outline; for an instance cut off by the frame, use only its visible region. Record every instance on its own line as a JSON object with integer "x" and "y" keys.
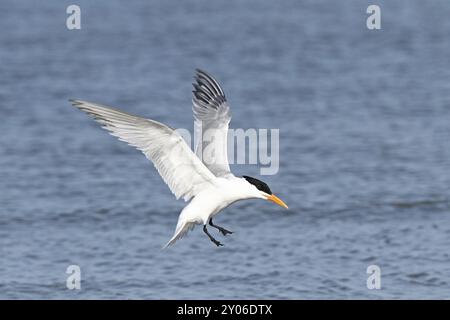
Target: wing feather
{"x": 212, "y": 117}
{"x": 180, "y": 169}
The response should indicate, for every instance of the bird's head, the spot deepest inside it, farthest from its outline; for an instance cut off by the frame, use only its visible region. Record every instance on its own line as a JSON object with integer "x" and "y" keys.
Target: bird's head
{"x": 263, "y": 191}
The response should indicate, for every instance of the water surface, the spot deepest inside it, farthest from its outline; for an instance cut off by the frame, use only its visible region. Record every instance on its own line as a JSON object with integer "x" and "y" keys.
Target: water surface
{"x": 364, "y": 155}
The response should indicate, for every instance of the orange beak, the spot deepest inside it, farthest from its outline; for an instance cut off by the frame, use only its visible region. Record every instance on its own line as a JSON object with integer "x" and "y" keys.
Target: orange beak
{"x": 277, "y": 200}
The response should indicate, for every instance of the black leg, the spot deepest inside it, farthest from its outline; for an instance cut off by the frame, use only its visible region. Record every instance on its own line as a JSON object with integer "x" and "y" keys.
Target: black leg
{"x": 222, "y": 230}
{"x": 217, "y": 243}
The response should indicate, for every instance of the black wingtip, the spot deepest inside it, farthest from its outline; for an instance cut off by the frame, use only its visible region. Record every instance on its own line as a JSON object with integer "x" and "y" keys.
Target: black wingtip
{"x": 198, "y": 70}
{"x": 208, "y": 87}
{"x": 75, "y": 102}
{"x": 201, "y": 72}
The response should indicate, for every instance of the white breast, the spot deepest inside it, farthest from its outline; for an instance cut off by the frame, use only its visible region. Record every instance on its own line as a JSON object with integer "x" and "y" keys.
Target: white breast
{"x": 209, "y": 202}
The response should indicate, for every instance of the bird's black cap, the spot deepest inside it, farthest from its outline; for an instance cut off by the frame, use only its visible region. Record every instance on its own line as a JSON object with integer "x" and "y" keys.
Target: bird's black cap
{"x": 262, "y": 186}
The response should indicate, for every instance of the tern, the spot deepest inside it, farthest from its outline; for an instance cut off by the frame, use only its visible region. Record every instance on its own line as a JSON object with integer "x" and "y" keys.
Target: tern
{"x": 206, "y": 182}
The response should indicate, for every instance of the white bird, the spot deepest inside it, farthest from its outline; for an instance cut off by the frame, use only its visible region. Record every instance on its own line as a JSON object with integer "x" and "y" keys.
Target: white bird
{"x": 209, "y": 185}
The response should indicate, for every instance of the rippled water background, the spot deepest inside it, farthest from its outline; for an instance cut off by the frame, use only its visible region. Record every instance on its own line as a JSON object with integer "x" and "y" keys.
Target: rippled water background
{"x": 365, "y": 148}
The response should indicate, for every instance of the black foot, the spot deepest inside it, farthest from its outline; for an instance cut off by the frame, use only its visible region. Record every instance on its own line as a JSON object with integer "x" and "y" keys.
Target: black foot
{"x": 217, "y": 243}
{"x": 224, "y": 231}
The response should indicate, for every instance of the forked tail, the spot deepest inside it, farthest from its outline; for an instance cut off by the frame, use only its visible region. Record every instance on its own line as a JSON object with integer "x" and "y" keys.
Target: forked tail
{"x": 183, "y": 227}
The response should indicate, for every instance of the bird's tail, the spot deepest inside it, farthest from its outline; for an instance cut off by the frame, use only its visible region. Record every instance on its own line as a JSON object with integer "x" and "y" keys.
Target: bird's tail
{"x": 183, "y": 227}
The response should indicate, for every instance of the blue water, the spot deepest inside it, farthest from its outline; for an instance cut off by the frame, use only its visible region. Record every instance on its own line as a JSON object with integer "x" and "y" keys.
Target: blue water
{"x": 364, "y": 155}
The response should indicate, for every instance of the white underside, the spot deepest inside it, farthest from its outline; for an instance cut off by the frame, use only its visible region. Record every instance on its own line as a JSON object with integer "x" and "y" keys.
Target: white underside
{"x": 210, "y": 202}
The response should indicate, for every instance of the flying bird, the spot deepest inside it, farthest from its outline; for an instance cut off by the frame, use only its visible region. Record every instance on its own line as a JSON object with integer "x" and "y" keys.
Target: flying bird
{"x": 205, "y": 181}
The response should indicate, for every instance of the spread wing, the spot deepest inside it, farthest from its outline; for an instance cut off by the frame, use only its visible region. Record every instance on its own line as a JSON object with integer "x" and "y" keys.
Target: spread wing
{"x": 212, "y": 116}
{"x": 180, "y": 169}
